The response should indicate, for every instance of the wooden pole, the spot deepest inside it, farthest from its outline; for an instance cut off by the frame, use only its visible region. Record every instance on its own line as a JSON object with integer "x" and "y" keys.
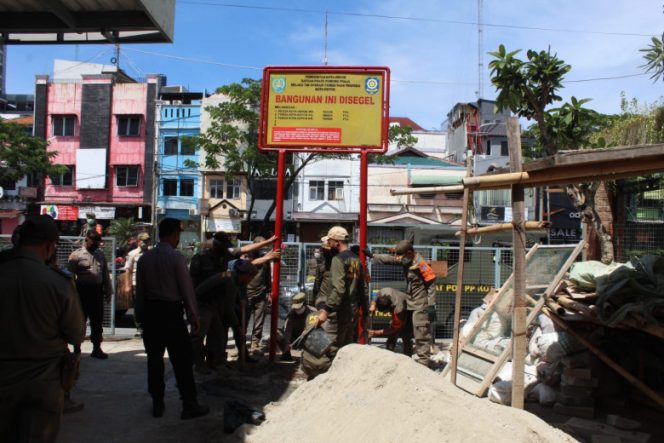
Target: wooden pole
{"x": 427, "y": 190}
{"x": 519, "y": 342}
{"x": 462, "y": 250}
{"x": 501, "y": 227}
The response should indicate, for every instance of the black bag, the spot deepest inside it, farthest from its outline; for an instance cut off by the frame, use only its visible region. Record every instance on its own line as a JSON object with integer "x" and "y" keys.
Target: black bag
{"x": 317, "y": 342}
{"x": 237, "y": 413}
{"x": 70, "y": 365}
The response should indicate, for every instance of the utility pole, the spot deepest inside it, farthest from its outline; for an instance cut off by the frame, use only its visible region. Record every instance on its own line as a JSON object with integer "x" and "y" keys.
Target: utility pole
{"x": 480, "y": 50}
{"x": 325, "y": 48}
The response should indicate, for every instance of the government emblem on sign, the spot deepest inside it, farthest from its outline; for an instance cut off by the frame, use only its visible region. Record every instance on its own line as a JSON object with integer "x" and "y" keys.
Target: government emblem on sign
{"x": 371, "y": 85}
{"x": 278, "y": 84}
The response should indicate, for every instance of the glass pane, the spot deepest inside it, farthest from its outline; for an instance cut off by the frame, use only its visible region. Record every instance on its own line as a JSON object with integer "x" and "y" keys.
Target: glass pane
{"x": 58, "y": 126}
{"x": 171, "y": 146}
{"x": 122, "y": 126}
{"x": 541, "y": 268}
{"x": 132, "y": 176}
{"x": 170, "y": 187}
{"x": 69, "y": 126}
{"x": 187, "y": 187}
{"x": 121, "y": 179}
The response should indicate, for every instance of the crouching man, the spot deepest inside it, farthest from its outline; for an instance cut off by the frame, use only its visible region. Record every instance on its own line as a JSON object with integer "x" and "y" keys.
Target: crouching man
{"x": 393, "y": 301}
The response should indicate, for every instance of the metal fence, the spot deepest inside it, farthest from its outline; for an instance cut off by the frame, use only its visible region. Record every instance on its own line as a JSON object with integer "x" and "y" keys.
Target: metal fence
{"x": 485, "y": 268}
{"x": 66, "y": 246}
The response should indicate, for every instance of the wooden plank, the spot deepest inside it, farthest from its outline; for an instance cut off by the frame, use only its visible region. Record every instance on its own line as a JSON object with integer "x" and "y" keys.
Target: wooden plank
{"x": 469, "y": 349}
{"x": 467, "y": 194}
{"x": 651, "y": 329}
{"x": 502, "y": 227}
{"x": 520, "y": 312}
{"x": 658, "y": 399}
{"x": 620, "y": 153}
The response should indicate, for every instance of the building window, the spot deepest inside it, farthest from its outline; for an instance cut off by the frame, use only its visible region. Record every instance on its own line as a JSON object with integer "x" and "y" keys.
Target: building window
{"x": 64, "y": 179}
{"x": 335, "y": 190}
{"x": 64, "y": 125}
{"x": 488, "y": 147}
{"x": 187, "y": 187}
{"x": 216, "y": 188}
{"x": 170, "y": 187}
{"x": 188, "y": 147}
{"x": 316, "y": 190}
{"x": 265, "y": 189}
{"x": 8, "y": 184}
{"x": 129, "y": 126}
{"x": 233, "y": 188}
{"x": 504, "y": 150}
{"x": 126, "y": 176}
{"x": 171, "y": 146}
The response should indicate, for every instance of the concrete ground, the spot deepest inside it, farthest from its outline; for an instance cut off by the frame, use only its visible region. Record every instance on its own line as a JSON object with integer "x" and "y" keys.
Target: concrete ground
{"x": 119, "y": 409}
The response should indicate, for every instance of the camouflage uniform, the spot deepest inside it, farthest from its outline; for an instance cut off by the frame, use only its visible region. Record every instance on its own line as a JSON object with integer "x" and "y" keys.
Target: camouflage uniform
{"x": 421, "y": 295}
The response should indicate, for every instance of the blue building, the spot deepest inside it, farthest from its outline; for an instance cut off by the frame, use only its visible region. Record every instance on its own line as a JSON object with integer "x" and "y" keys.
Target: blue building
{"x": 179, "y": 180}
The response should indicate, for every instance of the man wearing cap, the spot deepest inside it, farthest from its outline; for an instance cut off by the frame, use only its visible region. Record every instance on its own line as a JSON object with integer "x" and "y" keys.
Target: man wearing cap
{"x": 224, "y": 288}
{"x": 421, "y": 291}
{"x": 40, "y": 314}
{"x": 322, "y": 282}
{"x": 258, "y": 290}
{"x": 142, "y": 245}
{"x": 93, "y": 282}
{"x": 163, "y": 293}
{"x": 393, "y": 302}
{"x": 347, "y": 294}
{"x": 296, "y": 323}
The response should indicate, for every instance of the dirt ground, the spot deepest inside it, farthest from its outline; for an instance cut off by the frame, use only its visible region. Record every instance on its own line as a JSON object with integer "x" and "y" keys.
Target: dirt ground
{"x": 118, "y": 407}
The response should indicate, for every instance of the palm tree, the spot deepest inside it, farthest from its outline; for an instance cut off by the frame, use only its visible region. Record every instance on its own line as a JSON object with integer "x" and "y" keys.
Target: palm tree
{"x": 122, "y": 229}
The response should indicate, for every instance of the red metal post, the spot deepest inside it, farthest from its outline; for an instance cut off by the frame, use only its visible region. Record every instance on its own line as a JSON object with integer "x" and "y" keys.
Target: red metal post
{"x": 278, "y": 218}
{"x": 364, "y": 172}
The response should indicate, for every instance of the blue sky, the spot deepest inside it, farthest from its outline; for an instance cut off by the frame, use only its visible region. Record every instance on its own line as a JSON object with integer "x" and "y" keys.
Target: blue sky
{"x": 433, "y": 57}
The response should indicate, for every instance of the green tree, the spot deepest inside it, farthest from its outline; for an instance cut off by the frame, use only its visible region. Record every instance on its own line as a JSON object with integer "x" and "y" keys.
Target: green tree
{"x": 232, "y": 138}
{"x": 22, "y": 154}
{"x": 122, "y": 229}
{"x": 654, "y": 57}
{"x": 527, "y": 88}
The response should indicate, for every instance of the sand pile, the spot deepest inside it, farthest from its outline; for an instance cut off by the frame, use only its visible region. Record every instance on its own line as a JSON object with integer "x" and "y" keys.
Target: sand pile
{"x": 373, "y": 395}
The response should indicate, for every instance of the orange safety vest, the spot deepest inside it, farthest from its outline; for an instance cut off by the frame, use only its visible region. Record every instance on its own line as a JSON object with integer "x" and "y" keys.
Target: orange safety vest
{"x": 426, "y": 271}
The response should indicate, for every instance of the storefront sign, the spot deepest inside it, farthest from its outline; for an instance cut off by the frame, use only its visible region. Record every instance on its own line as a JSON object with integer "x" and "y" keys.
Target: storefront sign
{"x": 101, "y": 212}
{"x": 324, "y": 108}
{"x": 60, "y": 212}
{"x": 492, "y": 214}
{"x": 224, "y": 224}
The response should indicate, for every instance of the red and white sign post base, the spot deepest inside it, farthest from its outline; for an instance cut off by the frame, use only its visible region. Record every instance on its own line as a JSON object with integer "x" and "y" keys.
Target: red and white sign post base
{"x": 279, "y": 216}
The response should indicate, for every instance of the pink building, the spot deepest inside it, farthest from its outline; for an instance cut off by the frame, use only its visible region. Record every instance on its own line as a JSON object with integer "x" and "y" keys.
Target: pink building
{"x": 102, "y": 128}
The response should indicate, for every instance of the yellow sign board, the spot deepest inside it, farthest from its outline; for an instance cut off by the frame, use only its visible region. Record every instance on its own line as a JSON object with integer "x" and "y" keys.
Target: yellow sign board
{"x": 324, "y": 108}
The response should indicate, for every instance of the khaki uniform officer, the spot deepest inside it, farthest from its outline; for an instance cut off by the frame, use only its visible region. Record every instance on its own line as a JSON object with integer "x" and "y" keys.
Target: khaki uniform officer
{"x": 39, "y": 315}
{"x": 93, "y": 283}
{"x": 421, "y": 292}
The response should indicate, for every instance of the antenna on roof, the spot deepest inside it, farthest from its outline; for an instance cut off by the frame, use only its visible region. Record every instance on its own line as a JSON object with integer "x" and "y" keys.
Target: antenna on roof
{"x": 325, "y": 50}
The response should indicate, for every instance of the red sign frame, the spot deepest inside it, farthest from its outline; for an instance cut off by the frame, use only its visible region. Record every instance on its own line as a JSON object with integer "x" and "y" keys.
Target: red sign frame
{"x": 384, "y": 72}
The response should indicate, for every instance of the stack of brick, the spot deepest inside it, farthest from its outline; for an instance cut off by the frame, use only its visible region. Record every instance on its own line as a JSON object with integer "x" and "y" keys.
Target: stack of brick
{"x": 576, "y": 393}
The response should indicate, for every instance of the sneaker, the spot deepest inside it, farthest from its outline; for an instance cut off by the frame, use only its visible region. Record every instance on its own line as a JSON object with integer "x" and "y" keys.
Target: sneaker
{"x": 98, "y": 353}
{"x": 72, "y": 406}
{"x": 193, "y": 409}
{"x": 158, "y": 407}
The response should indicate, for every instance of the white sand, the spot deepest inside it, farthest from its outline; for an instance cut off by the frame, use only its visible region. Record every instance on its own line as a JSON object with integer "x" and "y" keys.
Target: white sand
{"x": 373, "y": 395}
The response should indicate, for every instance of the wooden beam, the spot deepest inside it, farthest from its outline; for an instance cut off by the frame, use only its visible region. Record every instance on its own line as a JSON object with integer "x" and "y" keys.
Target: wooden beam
{"x": 520, "y": 312}
{"x": 490, "y": 181}
{"x": 502, "y": 227}
{"x": 622, "y": 153}
{"x": 428, "y": 190}
{"x": 467, "y": 195}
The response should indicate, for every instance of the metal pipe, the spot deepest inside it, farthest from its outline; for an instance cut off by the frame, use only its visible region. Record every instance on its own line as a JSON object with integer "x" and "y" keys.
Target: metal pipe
{"x": 278, "y": 218}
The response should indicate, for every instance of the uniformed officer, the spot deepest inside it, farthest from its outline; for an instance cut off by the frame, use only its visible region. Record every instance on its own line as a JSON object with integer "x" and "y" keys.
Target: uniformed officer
{"x": 93, "y": 283}
{"x": 208, "y": 263}
{"x": 347, "y": 294}
{"x": 224, "y": 289}
{"x": 142, "y": 245}
{"x": 421, "y": 291}
{"x": 295, "y": 324}
{"x": 258, "y": 291}
{"x": 39, "y": 315}
{"x": 322, "y": 282}
{"x": 394, "y": 302}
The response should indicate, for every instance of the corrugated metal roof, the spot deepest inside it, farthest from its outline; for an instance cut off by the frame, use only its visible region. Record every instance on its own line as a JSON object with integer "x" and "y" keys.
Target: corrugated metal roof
{"x": 86, "y": 21}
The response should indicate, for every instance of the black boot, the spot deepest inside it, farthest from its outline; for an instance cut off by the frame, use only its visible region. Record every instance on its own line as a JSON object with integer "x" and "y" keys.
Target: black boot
{"x": 158, "y": 407}
{"x": 192, "y": 409}
{"x": 98, "y": 353}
